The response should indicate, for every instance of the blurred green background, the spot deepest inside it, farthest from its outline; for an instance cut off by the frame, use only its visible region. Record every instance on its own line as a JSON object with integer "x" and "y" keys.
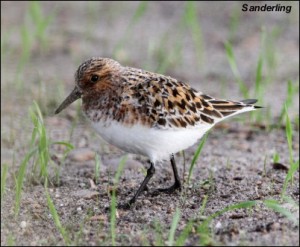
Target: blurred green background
{"x": 214, "y": 46}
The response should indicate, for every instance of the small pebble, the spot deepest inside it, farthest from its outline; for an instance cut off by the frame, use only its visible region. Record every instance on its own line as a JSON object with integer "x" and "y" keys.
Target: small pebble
{"x": 218, "y": 225}
{"x": 82, "y": 142}
{"x": 23, "y": 224}
{"x": 146, "y": 202}
{"x": 82, "y": 185}
{"x": 82, "y": 154}
{"x": 273, "y": 226}
{"x": 259, "y": 182}
{"x": 86, "y": 194}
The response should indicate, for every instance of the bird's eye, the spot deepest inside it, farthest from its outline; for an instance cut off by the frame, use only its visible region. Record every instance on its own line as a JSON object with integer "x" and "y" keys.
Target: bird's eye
{"x": 94, "y": 78}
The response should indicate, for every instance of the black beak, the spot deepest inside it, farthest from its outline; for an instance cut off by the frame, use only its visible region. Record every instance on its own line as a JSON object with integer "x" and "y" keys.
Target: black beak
{"x": 74, "y": 95}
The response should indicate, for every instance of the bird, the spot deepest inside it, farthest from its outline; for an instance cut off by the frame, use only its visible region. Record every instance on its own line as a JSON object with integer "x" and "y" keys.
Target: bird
{"x": 147, "y": 113}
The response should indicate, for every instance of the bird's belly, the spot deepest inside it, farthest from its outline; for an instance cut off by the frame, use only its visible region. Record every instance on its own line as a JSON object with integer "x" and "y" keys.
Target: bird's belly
{"x": 157, "y": 144}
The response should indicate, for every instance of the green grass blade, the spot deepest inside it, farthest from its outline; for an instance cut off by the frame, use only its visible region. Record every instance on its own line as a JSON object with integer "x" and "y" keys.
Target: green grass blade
{"x": 289, "y": 134}
{"x": 188, "y": 228}
{"x": 113, "y": 209}
{"x": 203, "y": 229}
{"x": 271, "y": 53}
{"x": 43, "y": 142}
{"x": 119, "y": 170}
{"x": 196, "y": 156}
{"x": 11, "y": 240}
{"x": 38, "y": 111}
{"x": 234, "y": 22}
{"x": 43, "y": 152}
{"x": 158, "y": 234}
{"x": 56, "y": 219}
{"x": 141, "y": 9}
{"x": 39, "y": 146}
{"x": 40, "y": 21}
{"x": 191, "y": 20}
{"x": 276, "y": 158}
{"x": 20, "y": 178}
{"x": 184, "y": 234}
{"x": 274, "y": 205}
{"x": 259, "y": 85}
{"x": 67, "y": 144}
{"x": 291, "y": 201}
{"x": 167, "y": 60}
{"x": 69, "y": 147}
{"x": 203, "y": 205}
{"x": 258, "y": 78}
{"x": 231, "y": 60}
{"x": 234, "y": 68}
{"x": 174, "y": 224}
{"x": 293, "y": 165}
{"x": 35, "y": 11}
{"x": 113, "y": 204}
{"x": 290, "y": 176}
{"x": 246, "y": 204}
{"x": 4, "y": 169}
{"x": 292, "y": 90}
{"x": 97, "y": 168}
{"x": 34, "y": 120}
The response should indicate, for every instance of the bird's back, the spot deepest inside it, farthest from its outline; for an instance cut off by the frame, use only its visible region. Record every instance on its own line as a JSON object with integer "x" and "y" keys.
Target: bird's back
{"x": 163, "y": 102}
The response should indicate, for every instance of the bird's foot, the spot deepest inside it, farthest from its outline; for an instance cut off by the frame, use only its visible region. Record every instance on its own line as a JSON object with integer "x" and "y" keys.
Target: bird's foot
{"x": 169, "y": 190}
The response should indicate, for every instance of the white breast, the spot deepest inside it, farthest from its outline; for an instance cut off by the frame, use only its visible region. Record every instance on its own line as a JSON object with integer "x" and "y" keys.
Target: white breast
{"x": 157, "y": 144}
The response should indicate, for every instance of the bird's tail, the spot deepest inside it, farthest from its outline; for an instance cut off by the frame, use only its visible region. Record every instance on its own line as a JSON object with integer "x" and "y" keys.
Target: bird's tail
{"x": 228, "y": 108}
{"x": 251, "y": 102}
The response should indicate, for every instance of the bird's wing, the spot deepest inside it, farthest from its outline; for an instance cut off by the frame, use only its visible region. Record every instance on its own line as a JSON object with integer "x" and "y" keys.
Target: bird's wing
{"x": 163, "y": 102}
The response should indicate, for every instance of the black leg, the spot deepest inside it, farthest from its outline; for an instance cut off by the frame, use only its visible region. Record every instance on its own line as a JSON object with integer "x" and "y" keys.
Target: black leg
{"x": 142, "y": 187}
{"x": 177, "y": 184}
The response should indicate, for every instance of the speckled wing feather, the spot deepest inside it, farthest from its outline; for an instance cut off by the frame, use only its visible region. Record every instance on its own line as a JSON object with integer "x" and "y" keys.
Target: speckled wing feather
{"x": 163, "y": 102}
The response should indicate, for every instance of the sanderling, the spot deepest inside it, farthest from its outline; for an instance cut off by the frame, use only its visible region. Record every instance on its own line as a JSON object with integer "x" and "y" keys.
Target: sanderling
{"x": 145, "y": 113}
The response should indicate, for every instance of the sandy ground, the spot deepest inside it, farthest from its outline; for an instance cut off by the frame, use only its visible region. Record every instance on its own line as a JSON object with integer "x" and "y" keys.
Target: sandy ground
{"x": 234, "y": 166}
